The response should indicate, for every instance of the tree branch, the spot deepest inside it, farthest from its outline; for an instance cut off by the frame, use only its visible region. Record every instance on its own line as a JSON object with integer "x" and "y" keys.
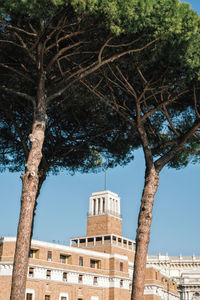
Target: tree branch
{"x": 80, "y": 74}
{"x": 13, "y": 28}
{"x": 16, "y": 93}
{"x": 162, "y": 161}
{"x": 59, "y": 53}
{"x": 17, "y": 72}
{"x": 166, "y": 102}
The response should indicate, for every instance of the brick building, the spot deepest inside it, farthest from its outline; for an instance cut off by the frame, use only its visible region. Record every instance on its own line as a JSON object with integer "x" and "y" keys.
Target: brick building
{"x": 98, "y": 266}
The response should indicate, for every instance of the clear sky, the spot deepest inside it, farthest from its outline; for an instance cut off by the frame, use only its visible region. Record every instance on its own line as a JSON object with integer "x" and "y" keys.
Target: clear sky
{"x": 64, "y": 200}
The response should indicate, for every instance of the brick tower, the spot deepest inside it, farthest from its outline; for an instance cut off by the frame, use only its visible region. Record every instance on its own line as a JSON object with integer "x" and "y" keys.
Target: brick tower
{"x": 104, "y": 214}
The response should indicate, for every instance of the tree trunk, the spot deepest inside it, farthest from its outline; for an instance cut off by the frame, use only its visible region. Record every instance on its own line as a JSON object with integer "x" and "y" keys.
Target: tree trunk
{"x": 42, "y": 178}
{"x": 143, "y": 232}
{"x": 30, "y": 182}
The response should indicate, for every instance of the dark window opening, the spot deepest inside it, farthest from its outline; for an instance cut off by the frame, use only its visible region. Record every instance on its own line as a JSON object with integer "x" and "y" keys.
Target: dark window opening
{"x": 81, "y": 261}
{"x": 49, "y": 255}
{"x": 48, "y": 274}
{"x": 121, "y": 266}
{"x": 95, "y": 280}
{"x": 64, "y": 276}
{"x": 80, "y": 278}
{"x": 95, "y": 264}
{"x": 29, "y": 296}
{"x": 31, "y": 272}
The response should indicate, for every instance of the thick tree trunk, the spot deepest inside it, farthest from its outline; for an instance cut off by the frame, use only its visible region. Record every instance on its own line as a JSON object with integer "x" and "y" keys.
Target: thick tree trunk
{"x": 30, "y": 182}
{"x": 42, "y": 178}
{"x": 143, "y": 232}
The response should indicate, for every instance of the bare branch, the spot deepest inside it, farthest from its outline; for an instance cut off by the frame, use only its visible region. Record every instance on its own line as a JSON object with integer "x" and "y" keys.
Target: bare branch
{"x": 12, "y": 28}
{"x": 132, "y": 90}
{"x": 80, "y": 74}
{"x": 102, "y": 48}
{"x": 24, "y": 46}
{"x": 180, "y": 143}
{"x": 16, "y": 93}
{"x": 141, "y": 75}
{"x": 63, "y": 50}
{"x": 170, "y": 121}
{"x": 67, "y": 36}
{"x": 161, "y": 105}
{"x": 12, "y": 43}
{"x": 17, "y": 72}
{"x": 32, "y": 28}
{"x": 107, "y": 102}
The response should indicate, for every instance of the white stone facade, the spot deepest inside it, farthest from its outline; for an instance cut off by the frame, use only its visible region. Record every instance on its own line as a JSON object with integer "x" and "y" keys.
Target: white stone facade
{"x": 185, "y": 270}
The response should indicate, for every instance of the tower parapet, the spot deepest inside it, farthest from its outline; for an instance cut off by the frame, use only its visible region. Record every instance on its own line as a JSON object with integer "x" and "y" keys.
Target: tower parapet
{"x": 105, "y": 202}
{"x": 104, "y": 214}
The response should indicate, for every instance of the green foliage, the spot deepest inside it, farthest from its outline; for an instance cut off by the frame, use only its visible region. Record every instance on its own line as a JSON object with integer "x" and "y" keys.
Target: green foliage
{"x": 168, "y": 69}
{"x": 127, "y": 16}
{"x": 79, "y": 131}
{"x": 133, "y": 22}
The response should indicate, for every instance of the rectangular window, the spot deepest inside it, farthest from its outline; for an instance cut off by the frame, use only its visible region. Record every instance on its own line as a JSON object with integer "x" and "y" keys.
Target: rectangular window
{"x": 31, "y": 272}
{"x": 99, "y": 239}
{"x": 95, "y": 281}
{"x": 47, "y": 297}
{"x": 81, "y": 261}
{"x": 90, "y": 240}
{"x": 121, "y": 266}
{"x": 48, "y": 274}
{"x": 65, "y": 259}
{"x": 34, "y": 253}
{"x": 95, "y": 264}
{"x": 82, "y": 241}
{"x": 63, "y": 298}
{"x": 29, "y": 296}
{"x": 121, "y": 283}
{"x": 64, "y": 276}
{"x": 80, "y": 278}
{"x": 49, "y": 255}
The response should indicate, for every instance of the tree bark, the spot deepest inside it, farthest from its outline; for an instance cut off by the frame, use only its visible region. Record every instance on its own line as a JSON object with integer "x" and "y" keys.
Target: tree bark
{"x": 143, "y": 232}
{"x": 30, "y": 182}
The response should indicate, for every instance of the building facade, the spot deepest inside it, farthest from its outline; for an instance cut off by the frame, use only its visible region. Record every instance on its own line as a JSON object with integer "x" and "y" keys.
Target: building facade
{"x": 185, "y": 270}
{"x": 98, "y": 266}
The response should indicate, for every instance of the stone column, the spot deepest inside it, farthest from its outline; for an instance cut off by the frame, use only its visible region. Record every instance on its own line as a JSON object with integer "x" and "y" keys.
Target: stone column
{"x": 96, "y": 207}
{"x": 91, "y": 211}
{"x": 101, "y": 206}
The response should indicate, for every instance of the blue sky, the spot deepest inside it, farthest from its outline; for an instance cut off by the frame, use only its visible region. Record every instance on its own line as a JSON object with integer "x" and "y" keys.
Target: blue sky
{"x": 63, "y": 204}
